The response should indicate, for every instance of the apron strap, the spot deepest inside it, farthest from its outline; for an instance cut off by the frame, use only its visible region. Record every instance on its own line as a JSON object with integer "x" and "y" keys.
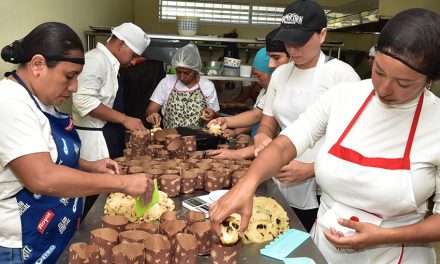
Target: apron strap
{"x": 350, "y": 125}
{"x": 413, "y": 127}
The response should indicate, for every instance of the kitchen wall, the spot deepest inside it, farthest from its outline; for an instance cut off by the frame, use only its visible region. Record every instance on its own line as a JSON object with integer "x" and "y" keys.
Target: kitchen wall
{"x": 21, "y": 16}
{"x": 147, "y": 11}
{"x": 391, "y": 7}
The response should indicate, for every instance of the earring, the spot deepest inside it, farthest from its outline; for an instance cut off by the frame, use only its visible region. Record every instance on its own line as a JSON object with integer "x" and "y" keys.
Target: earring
{"x": 429, "y": 85}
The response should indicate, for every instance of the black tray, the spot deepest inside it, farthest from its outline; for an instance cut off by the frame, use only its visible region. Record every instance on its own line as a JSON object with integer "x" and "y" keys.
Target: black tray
{"x": 204, "y": 140}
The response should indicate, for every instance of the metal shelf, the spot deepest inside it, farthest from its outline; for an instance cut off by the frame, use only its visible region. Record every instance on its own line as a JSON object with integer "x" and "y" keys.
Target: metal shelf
{"x": 92, "y": 34}
{"x": 226, "y": 78}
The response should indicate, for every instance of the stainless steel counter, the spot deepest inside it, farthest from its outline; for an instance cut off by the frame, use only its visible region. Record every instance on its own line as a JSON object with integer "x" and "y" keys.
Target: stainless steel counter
{"x": 250, "y": 253}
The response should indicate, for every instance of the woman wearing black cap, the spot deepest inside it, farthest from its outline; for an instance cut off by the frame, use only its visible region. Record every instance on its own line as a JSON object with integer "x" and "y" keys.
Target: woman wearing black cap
{"x": 379, "y": 164}
{"x": 293, "y": 87}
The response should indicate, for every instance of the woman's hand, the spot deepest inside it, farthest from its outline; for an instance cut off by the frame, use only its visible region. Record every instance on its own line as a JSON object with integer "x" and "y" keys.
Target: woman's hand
{"x": 133, "y": 124}
{"x": 230, "y": 133}
{"x": 100, "y": 166}
{"x": 238, "y": 200}
{"x": 207, "y": 114}
{"x": 224, "y": 153}
{"x": 222, "y": 121}
{"x": 139, "y": 185}
{"x": 367, "y": 235}
{"x": 154, "y": 119}
{"x": 296, "y": 171}
{"x": 261, "y": 140}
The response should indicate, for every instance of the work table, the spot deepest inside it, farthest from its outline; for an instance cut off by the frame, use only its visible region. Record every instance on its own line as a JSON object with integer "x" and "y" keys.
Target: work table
{"x": 250, "y": 253}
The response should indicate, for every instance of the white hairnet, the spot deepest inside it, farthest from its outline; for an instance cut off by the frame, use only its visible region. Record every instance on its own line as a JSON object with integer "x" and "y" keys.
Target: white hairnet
{"x": 187, "y": 57}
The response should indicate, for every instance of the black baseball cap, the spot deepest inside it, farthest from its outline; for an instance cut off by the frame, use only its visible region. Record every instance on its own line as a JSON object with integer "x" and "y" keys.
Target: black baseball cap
{"x": 300, "y": 20}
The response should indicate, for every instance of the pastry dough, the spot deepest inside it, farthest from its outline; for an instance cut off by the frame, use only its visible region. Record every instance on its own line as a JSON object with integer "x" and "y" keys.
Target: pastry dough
{"x": 215, "y": 129}
{"x": 122, "y": 204}
{"x": 268, "y": 221}
{"x": 229, "y": 229}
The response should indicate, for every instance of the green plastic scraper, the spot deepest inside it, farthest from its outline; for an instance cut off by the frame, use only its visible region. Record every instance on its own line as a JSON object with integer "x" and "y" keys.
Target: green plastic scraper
{"x": 141, "y": 209}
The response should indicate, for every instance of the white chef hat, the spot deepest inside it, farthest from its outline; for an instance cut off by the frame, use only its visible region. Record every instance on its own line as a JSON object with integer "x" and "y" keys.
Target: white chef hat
{"x": 372, "y": 52}
{"x": 133, "y": 36}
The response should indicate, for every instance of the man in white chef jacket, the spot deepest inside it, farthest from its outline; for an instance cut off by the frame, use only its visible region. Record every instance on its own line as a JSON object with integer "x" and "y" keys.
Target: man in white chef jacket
{"x": 97, "y": 87}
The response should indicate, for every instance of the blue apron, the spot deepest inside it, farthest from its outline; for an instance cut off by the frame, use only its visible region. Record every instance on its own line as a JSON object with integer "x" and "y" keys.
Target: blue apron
{"x": 48, "y": 223}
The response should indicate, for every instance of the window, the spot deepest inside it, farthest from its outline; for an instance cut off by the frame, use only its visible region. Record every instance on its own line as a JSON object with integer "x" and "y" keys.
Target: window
{"x": 266, "y": 15}
{"x": 215, "y": 12}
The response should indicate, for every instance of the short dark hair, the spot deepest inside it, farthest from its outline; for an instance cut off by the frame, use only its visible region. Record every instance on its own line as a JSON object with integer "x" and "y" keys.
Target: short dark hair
{"x": 413, "y": 38}
{"x": 53, "y": 40}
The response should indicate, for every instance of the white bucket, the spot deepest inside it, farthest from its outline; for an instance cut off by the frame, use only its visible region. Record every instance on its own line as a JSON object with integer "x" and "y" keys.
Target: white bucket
{"x": 187, "y": 26}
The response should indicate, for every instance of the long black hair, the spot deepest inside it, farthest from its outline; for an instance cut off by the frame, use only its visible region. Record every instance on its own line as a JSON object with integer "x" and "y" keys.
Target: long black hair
{"x": 413, "y": 38}
{"x": 54, "y": 41}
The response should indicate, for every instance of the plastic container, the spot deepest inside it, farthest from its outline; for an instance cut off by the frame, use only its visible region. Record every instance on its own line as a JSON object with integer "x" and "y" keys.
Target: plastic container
{"x": 187, "y": 26}
{"x": 231, "y": 62}
{"x": 245, "y": 70}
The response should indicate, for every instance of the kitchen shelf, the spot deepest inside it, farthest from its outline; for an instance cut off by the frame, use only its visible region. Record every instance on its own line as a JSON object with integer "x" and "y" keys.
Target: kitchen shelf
{"x": 209, "y": 42}
{"x": 226, "y": 78}
{"x": 92, "y": 34}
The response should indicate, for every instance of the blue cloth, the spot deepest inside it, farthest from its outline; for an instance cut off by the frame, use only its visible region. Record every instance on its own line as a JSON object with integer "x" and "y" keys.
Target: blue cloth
{"x": 47, "y": 222}
{"x": 261, "y": 61}
{"x": 10, "y": 255}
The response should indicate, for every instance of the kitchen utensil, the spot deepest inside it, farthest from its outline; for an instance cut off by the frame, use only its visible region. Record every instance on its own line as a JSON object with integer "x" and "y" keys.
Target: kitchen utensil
{"x": 213, "y": 68}
{"x": 140, "y": 208}
{"x": 281, "y": 247}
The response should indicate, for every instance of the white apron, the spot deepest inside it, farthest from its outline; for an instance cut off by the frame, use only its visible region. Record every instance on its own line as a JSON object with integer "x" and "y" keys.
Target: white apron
{"x": 368, "y": 189}
{"x": 302, "y": 195}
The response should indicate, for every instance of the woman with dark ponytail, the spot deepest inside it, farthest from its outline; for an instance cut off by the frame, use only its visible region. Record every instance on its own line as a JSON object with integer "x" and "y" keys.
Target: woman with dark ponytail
{"x": 42, "y": 178}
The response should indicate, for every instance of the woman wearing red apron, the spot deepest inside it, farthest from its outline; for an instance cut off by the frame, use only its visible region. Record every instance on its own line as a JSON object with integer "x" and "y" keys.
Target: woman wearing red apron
{"x": 185, "y": 98}
{"x": 41, "y": 174}
{"x": 379, "y": 164}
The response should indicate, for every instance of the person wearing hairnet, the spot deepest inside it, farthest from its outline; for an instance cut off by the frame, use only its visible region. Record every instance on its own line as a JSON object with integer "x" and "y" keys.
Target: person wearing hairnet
{"x": 97, "y": 88}
{"x": 186, "y": 97}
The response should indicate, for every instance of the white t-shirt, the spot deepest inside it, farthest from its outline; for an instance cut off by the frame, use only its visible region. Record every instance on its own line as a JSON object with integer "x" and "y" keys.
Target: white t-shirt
{"x": 97, "y": 83}
{"x": 289, "y": 93}
{"x": 166, "y": 85}
{"x": 25, "y": 130}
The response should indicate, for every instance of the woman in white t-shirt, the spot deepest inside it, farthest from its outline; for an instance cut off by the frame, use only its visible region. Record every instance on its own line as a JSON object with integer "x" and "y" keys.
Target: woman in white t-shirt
{"x": 42, "y": 177}
{"x": 186, "y": 97}
{"x": 379, "y": 164}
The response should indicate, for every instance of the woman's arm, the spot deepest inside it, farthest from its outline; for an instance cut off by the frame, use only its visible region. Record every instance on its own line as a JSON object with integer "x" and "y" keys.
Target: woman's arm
{"x": 152, "y": 113}
{"x": 239, "y": 198}
{"x": 245, "y": 119}
{"x": 266, "y": 132}
{"x": 40, "y": 175}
